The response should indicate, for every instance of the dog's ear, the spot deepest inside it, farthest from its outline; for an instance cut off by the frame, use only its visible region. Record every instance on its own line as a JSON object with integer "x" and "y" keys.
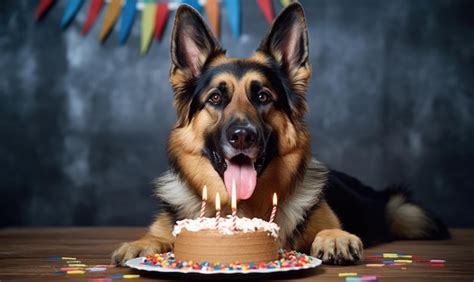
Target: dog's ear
{"x": 192, "y": 42}
{"x": 287, "y": 44}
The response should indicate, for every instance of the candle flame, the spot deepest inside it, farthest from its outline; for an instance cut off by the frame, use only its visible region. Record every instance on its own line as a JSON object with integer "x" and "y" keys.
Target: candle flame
{"x": 204, "y": 193}
{"x": 233, "y": 196}
{"x": 275, "y": 201}
{"x": 218, "y": 202}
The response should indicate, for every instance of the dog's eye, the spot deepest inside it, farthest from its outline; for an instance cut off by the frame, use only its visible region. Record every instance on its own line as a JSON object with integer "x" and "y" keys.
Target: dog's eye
{"x": 264, "y": 97}
{"x": 215, "y": 98}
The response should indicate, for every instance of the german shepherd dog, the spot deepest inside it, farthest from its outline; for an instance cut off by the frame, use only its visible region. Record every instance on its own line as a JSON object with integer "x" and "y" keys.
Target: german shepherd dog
{"x": 243, "y": 120}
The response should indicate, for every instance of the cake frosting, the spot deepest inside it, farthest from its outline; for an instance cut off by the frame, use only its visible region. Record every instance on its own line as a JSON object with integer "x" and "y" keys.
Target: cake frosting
{"x": 252, "y": 240}
{"x": 243, "y": 224}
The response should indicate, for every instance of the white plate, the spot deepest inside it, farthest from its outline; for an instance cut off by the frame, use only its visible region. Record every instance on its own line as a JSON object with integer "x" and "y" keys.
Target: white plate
{"x": 137, "y": 263}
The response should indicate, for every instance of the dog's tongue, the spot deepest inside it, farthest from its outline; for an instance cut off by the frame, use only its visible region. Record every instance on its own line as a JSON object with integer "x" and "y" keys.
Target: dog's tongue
{"x": 245, "y": 178}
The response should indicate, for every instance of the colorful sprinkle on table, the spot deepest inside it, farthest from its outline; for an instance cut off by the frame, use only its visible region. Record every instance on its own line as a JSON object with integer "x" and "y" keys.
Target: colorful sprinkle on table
{"x": 346, "y": 274}
{"x": 287, "y": 259}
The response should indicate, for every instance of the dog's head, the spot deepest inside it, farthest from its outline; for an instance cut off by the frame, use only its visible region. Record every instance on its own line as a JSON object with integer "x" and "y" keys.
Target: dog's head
{"x": 239, "y": 119}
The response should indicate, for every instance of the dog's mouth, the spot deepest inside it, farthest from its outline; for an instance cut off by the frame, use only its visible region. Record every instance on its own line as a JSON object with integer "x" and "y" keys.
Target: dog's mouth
{"x": 241, "y": 170}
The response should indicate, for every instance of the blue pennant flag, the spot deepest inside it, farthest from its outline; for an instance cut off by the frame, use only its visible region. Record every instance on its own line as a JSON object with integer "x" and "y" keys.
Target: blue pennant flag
{"x": 233, "y": 14}
{"x": 193, "y": 3}
{"x": 71, "y": 10}
{"x": 126, "y": 20}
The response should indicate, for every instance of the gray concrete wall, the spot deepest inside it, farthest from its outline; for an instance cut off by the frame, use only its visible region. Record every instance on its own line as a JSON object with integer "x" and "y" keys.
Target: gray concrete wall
{"x": 84, "y": 126}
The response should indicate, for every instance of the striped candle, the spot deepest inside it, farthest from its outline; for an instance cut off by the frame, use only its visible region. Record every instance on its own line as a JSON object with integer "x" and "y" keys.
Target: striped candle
{"x": 218, "y": 209}
{"x": 272, "y": 216}
{"x": 203, "y": 202}
{"x": 234, "y": 206}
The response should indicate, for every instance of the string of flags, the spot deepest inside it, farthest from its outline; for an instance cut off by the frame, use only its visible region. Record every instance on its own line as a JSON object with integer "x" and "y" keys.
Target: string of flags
{"x": 154, "y": 15}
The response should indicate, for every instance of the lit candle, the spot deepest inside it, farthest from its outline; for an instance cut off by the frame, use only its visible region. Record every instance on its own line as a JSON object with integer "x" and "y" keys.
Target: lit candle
{"x": 218, "y": 209}
{"x": 203, "y": 203}
{"x": 274, "y": 209}
{"x": 234, "y": 206}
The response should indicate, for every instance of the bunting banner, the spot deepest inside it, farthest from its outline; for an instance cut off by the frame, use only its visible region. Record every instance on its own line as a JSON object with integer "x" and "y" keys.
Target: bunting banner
{"x": 72, "y": 8}
{"x": 148, "y": 27}
{"x": 43, "y": 6}
{"x": 267, "y": 10}
{"x": 94, "y": 10}
{"x": 126, "y": 20}
{"x": 212, "y": 10}
{"x": 233, "y": 14}
{"x": 154, "y": 15}
{"x": 111, "y": 16}
{"x": 162, "y": 12}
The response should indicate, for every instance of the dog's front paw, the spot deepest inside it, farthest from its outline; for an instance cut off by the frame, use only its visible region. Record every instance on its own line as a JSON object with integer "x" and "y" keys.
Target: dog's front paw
{"x": 335, "y": 246}
{"x": 139, "y": 248}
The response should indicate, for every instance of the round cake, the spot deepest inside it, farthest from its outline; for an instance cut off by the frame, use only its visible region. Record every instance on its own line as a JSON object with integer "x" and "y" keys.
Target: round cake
{"x": 252, "y": 240}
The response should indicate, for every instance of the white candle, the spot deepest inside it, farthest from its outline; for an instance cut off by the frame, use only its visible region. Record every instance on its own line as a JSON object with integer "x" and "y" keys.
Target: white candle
{"x": 272, "y": 216}
{"x": 203, "y": 203}
{"x": 218, "y": 209}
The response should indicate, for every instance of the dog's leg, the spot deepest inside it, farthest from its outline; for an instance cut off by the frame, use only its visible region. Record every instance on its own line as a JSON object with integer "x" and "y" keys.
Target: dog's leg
{"x": 157, "y": 240}
{"x": 326, "y": 240}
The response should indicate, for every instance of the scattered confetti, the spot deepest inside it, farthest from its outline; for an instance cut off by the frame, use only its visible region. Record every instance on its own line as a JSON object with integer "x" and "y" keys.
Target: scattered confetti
{"x": 70, "y": 268}
{"x": 100, "y": 280}
{"x": 68, "y": 258}
{"x": 371, "y": 278}
{"x": 131, "y": 276}
{"x": 96, "y": 269}
{"x": 346, "y": 274}
{"x": 54, "y": 258}
{"x": 375, "y": 265}
{"x": 77, "y": 265}
{"x": 403, "y": 260}
{"x": 437, "y": 261}
{"x": 75, "y": 272}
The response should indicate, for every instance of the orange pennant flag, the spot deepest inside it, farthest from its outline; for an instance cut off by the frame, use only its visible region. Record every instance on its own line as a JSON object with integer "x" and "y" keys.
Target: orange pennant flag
{"x": 212, "y": 10}
{"x": 111, "y": 16}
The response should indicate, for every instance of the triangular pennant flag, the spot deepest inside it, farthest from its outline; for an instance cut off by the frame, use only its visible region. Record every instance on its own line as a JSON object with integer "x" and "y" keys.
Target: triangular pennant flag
{"x": 212, "y": 10}
{"x": 127, "y": 19}
{"x": 148, "y": 25}
{"x": 43, "y": 6}
{"x": 71, "y": 10}
{"x": 94, "y": 10}
{"x": 267, "y": 10}
{"x": 111, "y": 16}
{"x": 285, "y": 3}
{"x": 233, "y": 14}
{"x": 162, "y": 12}
{"x": 193, "y": 3}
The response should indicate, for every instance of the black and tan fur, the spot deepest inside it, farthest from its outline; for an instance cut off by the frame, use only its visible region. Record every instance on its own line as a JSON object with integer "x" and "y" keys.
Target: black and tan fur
{"x": 323, "y": 212}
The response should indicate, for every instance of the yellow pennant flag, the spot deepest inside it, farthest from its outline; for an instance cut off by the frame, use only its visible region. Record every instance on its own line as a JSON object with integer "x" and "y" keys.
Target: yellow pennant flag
{"x": 212, "y": 10}
{"x": 285, "y": 3}
{"x": 148, "y": 25}
{"x": 111, "y": 16}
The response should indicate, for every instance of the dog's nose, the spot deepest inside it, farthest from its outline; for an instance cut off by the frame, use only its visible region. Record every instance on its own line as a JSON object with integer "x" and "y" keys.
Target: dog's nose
{"x": 241, "y": 136}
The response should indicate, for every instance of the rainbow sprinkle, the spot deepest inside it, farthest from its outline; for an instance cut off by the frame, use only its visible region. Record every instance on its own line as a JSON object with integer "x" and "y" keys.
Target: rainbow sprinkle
{"x": 287, "y": 259}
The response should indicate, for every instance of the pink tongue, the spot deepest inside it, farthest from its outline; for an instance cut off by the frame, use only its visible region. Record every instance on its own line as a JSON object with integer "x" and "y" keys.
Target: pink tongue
{"x": 245, "y": 178}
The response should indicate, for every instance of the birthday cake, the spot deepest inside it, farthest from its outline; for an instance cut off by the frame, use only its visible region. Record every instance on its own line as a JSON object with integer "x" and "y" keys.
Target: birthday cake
{"x": 245, "y": 240}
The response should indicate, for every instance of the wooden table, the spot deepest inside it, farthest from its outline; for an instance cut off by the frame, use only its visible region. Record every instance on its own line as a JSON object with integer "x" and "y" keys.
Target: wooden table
{"x": 24, "y": 256}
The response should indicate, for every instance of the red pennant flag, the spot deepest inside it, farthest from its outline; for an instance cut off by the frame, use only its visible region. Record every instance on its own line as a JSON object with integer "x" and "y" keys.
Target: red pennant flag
{"x": 162, "y": 12}
{"x": 266, "y": 7}
{"x": 43, "y": 6}
{"x": 94, "y": 10}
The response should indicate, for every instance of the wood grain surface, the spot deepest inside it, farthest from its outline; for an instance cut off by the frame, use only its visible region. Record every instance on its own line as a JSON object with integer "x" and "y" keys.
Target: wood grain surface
{"x": 24, "y": 256}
